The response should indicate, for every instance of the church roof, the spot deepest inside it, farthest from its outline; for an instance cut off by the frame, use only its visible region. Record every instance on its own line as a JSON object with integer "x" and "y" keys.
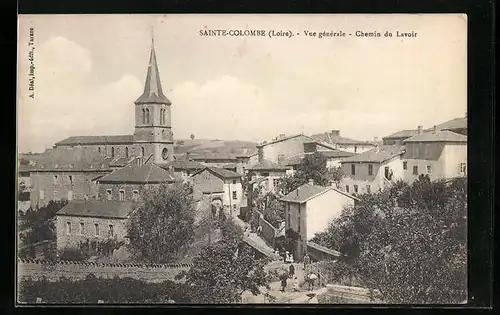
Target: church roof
{"x": 82, "y": 140}
{"x": 153, "y": 92}
{"x": 133, "y": 173}
{"x": 71, "y": 159}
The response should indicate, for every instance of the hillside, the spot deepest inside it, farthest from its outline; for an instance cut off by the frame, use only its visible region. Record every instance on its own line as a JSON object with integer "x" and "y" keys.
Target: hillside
{"x": 213, "y": 146}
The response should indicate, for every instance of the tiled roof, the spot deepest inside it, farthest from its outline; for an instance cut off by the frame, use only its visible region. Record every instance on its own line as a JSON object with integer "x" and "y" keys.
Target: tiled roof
{"x": 229, "y": 166}
{"x": 336, "y": 139}
{"x": 153, "y": 92}
{"x": 121, "y": 161}
{"x": 267, "y": 165}
{"x": 377, "y": 155}
{"x": 98, "y": 208}
{"x": 284, "y": 139}
{"x": 133, "y": 173}
{"x": 73, "y": 159}
{"x": 456, "y": 123}
{"x": 307, "y": 192}
{"x": 223, "y": 172}
{"x": 295, "y": 160}
{"x": 439, "y": 136}
{"x": 96, "y": 140}
{"x": 211, "y": 156}
{"x": 183, "y": 165}
{"x": 402, "y": 134}
{"x": 336, "y": 153}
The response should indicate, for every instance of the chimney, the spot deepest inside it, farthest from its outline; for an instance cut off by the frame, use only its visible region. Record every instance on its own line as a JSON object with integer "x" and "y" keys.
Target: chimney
{"x": 336, "y": 132}
{"x": 434, "y": 129}
{"x": 419, "y": 129}
{"x": 311, "y": 181}
{"x": 297, "y": 190}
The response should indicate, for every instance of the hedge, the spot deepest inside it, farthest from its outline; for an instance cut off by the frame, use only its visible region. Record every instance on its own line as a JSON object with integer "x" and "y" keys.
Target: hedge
{"x": 92, "y": 289}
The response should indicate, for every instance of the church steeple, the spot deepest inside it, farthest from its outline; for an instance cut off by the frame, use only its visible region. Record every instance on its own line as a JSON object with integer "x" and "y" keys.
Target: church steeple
{"x": 153, "y": 92}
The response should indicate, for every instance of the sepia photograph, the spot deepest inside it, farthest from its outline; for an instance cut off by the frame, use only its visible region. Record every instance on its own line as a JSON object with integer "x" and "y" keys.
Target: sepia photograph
{"x": 241, "y": 159}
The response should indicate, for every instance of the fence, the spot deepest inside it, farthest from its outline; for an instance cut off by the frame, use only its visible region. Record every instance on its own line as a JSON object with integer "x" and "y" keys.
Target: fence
{"x": 73, "y": 270}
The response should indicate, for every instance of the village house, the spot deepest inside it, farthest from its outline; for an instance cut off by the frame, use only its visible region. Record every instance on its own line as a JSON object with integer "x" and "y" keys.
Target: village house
{"x": 438, "y": 154}
{"x": 372, "y": 170}
{"x": 183, "y": 169}
{"x": 282, "y": 148}
{"x": 332, "y": 155}
{"x": 457, "y": 125}
{"x": 66, "y": 173}
{"x": 213, "y": 180}
{"x": 126, "y": 183}
{"x": 308, "y": 210}
{"x": 334, "y": 139}
{"x": 271, "y": 172}
{"x": 92, "y": 220}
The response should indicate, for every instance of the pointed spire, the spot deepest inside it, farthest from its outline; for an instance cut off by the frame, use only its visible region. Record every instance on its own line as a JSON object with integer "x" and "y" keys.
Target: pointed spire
{"x": 153, "y": 92}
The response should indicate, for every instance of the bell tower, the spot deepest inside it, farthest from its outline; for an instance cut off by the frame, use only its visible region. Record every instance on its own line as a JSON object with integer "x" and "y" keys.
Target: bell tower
{"x": 153, "y": 130}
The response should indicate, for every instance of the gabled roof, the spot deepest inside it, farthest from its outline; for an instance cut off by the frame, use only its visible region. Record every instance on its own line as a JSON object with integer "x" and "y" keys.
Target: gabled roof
{"x": 284, "y": 139}
{"x": 266, "y": 165}
{"x": 82, "y": 140}
{"x": 402, "y": 134}
{"x": 332, "y": 138}
{"x": 183, "y": 165}
{"x": 438, "y": 136}
{"x": 71, "y": 159}
{"x": 133, "y": 173}
{"x": 377, "y": 155}
{"x": 456, "y": 123}
{"x": 307, "y": 192}
{"x": 153, "y": 92}
{"x": 219, "y": 172}
{"x": 98, "y": 208}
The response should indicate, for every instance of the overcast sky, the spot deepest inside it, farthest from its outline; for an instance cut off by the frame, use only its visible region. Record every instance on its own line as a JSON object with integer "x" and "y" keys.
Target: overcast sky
{"x": 90, "y": 69}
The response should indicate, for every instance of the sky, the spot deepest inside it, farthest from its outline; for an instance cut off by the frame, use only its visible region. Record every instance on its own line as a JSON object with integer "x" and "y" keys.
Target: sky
{"x": 89, "y": 69}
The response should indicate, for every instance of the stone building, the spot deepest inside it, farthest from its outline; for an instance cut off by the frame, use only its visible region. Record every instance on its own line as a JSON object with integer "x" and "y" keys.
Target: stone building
{"x": 152, "y": 135}
{"x": 82, "y": 220}
{"x": 126, "y": 183}
{"x": 333, "y": 138}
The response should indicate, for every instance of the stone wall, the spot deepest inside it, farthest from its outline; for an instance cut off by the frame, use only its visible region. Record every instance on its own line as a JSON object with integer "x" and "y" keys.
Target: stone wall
{"x": 52, "y": 271}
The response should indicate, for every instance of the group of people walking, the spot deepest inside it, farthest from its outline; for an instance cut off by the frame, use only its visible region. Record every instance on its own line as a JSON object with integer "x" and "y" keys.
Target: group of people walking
{"x": 309, "y": 278}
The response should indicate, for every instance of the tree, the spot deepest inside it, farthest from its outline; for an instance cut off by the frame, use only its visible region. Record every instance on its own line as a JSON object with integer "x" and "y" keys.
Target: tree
{"x": 408, "y": 241}
{"x": 161, "y": 227}
{"x": 191, "y": 136}
{"x": 224, "y": 270}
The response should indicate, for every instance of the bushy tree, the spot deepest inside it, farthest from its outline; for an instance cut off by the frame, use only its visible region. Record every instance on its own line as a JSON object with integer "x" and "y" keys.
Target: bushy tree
{"x": 224, "y": 270}
{"x": 408, "y": 241}
{"x": 162, "y": 226}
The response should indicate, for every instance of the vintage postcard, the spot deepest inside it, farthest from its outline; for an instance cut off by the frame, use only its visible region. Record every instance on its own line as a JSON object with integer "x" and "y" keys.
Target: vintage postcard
{"x": 247, "y": 159}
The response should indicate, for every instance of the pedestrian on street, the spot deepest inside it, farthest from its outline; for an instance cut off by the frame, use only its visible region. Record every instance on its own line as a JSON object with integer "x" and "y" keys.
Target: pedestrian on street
{"x": 307, "y": 260}
{"x": 284, "y": 278}
{"x": 291, "y": 270}
{"x": 312, "y": 277}
{"x": 295, "y": 284}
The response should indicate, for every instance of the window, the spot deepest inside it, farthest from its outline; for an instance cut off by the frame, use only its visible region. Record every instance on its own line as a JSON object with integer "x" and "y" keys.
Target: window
{"x": 147, "y": 116}
{"x": 235, "y": 195}
{"x": 82, "y": 228}
{"x": 370, "y": 169}
{"x": 143, "y": 116}
{"x": 135, "y": 195}
{"x": 55, "y": 179}
{"x": 234, "y": 207}
{"x": 368, "y": 189}
{"x": 234, "y": 181}
{"x": 405, "y": 165}
{"x": 429, "y": 169}
{"x": 356, "y": 188}
{"x": 99, "y": 150}
{"x": 415, "y": 170}
{"x": 143, "y": 152}
{"x": 463, "y": 168}
{"x": 70, "y": 180}
{"x": 110, "y": 231}
{"x": 68, "y": 228}
{"x": 109, "y": 194}
{"x": 112, "y": 152}
{"x": 347, "y": 188}
{"x": 126, "y": 152}
{"x": 353, "y": 169}
{"x": 275, "y": 182}
{"x": 42, "y": 194}
{"x": 122, "y": 194}
{"x": 289, "y": 220}
{"x": 70, "y": 195}
{"x": 96, "y": 229}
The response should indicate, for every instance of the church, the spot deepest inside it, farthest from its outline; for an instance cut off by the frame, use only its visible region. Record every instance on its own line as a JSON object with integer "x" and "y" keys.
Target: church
{"x": 72, "y": 168}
